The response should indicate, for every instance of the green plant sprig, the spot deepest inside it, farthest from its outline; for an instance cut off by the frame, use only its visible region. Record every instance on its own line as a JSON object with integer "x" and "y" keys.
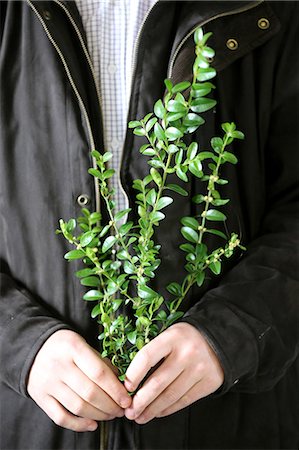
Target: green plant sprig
{"x": 121, "y": 258}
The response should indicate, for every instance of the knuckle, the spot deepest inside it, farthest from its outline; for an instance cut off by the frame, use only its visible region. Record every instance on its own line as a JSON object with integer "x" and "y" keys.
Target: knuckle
{"x": 78, "y": 407}
{"x": 89, "y": 393}
{"x": 170, "y": 396}
{"x": 59, "y": 418}
{"x": 98, "y": 373}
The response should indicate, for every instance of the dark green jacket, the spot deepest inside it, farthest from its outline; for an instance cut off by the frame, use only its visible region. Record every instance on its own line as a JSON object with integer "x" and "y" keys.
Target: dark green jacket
{"x": 51, "y": 119}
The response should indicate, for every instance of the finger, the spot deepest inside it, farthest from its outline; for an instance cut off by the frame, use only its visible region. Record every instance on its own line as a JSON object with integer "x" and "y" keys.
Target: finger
{"x": 154, "y": 387}
{"x": 170, "y": 396}
{"x": 198, "y": 391}
{"x": 71, "y": 401}
{"x": 91, "y": 392}
{"x": 96, "y": 370}
{"x": 145, "y": 359}
{"x": 64, "y": 418}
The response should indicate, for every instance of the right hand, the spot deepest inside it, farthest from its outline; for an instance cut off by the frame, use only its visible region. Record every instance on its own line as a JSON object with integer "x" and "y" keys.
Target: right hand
{"x": 73, "y": 385}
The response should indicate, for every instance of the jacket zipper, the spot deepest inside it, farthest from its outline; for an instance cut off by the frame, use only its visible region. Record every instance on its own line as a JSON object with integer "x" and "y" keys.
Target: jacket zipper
{"x": 103, "y": 425}
{"x": 204, "y": 22}
{"x": 81, "y": 103}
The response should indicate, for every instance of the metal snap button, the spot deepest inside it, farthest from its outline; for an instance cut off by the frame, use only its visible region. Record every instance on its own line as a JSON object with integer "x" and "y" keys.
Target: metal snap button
{"x": 232, "y": 44}
{"x": 47, "y": 15}
{"x": 83, "y": 200}
{"x": 263, "y": 23}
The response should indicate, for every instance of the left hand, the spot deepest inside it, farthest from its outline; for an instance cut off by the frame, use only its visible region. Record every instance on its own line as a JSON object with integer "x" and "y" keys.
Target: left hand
{"x": 190, "y": 371}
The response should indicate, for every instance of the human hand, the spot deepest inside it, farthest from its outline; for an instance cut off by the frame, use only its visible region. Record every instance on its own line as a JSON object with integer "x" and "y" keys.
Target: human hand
{"x": 73, "y": 385}
{"x": 190, "y": 371}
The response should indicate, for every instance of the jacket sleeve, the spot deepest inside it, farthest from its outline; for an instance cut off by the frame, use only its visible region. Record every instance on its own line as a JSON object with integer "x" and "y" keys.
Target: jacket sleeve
{"x": 252, "y": 318}
{"x": 24, "y": 326}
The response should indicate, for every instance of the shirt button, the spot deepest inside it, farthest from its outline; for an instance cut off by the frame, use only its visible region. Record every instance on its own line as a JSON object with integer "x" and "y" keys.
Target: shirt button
{"x": 236, "y": 381}
{"x": 111, "y": 68}
{"x": 232, "y": 44}
{"x": 263, "y": 23}
{"x": 83, "y": 200}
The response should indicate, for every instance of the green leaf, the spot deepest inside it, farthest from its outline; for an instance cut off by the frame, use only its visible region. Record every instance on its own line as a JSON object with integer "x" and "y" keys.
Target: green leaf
{"x": 178, "y": 189}
{"x": 175, "y": 106}
{"x": 86, "y": 238}
{"x": 168, "y": 84}
{"x": 116, "y": 304}
{"x": 112, "y": 287}
{"x": 163, "y": 202}
{"x": 115, "y": 265}
{"x": 95, "y": 173}
{"x": 181, "y": 174}
{"x": 108, "y": 243}
{"x": 150, "y": 124}
{"x": 220, "y": 202}
{"x": 198, "y": 36}
{"x": 139, "y": 131}
{"x": 202, "y": 104}
{"x": 95, "y": 311}
{"x": 105, "y": 230}
{"x": 156, "y": 216}
{"x": 200, "y": 278}
{"x": 173, "y": 116}
{"x": 174, "y": 288}
{"x": 129, "y": 268}
{"x": 190, "y": 222}
{"x": 156, "y": 163}
{"x": 189, "y": 248}
{"x": 238, "y": 135}
{"x": 84, "y": 273}
{"x": 108, "y": 174}
{"x": 172, "y": 149}
{"x": 195, "y": 168}
{"x": 95, "y": 217}
{"x": 217, "y": 233}
{"x": 192, "y": 150}
{"x": 173, "y": 133}
{"x": 151, "y": 197}
{"x": 161, "y": 315}
{"x": 217, "y": 144}
{"x": 156, "y": 176}
{"x": 214, "y": 215}
{"x": 173, "y": 317}
{"x": 159, "y": 132}
{"x": 121, "y": 214}
{"x": 159, "y": 109}
{"x": 90, "y": 281}
{"x": 201, "y": 89}
{"x": 107, "y": 156}
{"x": 190, "y": 234}
{"x": 149, "y": 152}
{"x": 198, "y": 198}
{"x": 229, "y": 157}
{"x": 192, "y": 120}
{"x": 215, "y": 267}
{"x": 93, "y": 295}
{"x": 134, "y": 124}
{"x": 132, "y": 337}
{"x": 125, "y": 228}
{"x": 146, "y": 292}
{"x": 74, "y": 254}
{"x": 71, "y": 225}
{"x": 206, "y": 74}
{"x": 181, "y": 86}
